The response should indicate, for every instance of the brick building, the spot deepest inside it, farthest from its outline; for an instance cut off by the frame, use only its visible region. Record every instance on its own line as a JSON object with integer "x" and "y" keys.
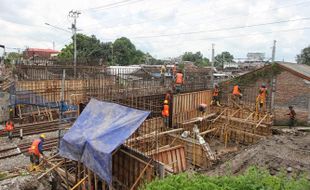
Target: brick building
{"x": 287, "y": 83}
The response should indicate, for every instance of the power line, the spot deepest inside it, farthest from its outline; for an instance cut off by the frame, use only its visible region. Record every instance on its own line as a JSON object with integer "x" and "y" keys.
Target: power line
{"x": 196, "y": 11}
{"x": 232, "y": 36}
{"x": 147, "y": 11}
{"x": 112, "y": 5}
{"x": 220, "y": 29}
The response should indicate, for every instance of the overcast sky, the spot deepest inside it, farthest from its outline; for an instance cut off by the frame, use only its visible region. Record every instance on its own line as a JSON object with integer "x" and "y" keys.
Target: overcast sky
{"x": 164, "y": 28}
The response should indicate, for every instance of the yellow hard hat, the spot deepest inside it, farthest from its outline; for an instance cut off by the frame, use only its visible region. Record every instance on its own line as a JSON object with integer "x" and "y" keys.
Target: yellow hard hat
{"x": 166, "y": 102}
{"x": 43, "y": 136}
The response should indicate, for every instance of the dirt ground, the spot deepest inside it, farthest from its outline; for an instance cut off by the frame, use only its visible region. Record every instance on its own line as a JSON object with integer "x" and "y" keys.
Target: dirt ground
{"x": 289, "y": 151}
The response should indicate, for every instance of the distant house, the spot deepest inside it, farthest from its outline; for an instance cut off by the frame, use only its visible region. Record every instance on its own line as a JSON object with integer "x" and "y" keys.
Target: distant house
{"x": 39, "y": 53}
{"x": 287, "y": 83}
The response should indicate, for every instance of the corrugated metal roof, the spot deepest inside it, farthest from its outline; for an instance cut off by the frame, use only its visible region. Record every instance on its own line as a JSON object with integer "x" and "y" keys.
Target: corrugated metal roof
{"x": 299, "y": 68}
{"x": 42, "y": 50}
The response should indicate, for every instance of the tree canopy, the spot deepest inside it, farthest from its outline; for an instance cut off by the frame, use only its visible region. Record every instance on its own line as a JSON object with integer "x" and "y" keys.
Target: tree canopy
{"x": 224, "y": 57}
{"x": 125, "y": 52}
{"x": 197, "y": 58}
{"x": 304, "y": 56}
{"x": 90, "y": 49}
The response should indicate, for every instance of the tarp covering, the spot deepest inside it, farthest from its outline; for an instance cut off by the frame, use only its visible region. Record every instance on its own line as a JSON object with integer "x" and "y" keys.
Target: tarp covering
{"x": 99, "y": 130}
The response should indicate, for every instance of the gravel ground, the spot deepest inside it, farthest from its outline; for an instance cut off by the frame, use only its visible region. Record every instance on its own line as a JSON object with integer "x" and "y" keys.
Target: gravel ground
{"x": 20, "y": 160}
{"x": 24, "y": 183}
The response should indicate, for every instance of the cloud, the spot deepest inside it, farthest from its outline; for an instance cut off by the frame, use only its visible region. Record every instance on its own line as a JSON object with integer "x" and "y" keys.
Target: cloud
{"x": 22, "y": 24}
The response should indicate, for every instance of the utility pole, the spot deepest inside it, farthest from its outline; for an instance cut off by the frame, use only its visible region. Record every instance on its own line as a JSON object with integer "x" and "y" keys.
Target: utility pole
{"x": 212, "y": 66}
{"x": 74, "y": 15}
{"x": 273, "y": 51}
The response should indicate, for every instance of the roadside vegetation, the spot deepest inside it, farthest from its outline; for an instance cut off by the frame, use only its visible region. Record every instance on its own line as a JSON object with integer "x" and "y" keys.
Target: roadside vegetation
{"x": 252, "y": 179}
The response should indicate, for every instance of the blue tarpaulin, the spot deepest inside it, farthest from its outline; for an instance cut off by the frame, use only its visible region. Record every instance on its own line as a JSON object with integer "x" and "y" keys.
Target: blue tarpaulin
{"x": 99, "y": 130}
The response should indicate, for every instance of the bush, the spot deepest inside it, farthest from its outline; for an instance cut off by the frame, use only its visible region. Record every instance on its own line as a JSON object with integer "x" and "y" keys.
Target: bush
{"x": 252, "y": 179}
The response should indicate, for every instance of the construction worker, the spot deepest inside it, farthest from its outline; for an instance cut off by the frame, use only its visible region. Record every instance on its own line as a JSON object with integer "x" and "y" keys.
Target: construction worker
{"x": 36, "y": 150}
{"x": 9, "y": 127}
{"x": 292, "y": 115}
{"x": 174, "y": 71}
{"x": 236, "y": 92}
{"x": 163, "y": 70}
{"x": 179, "y": 81}
{"x": 262, "y": 95}
{"x": 165, "y": 112}
{"x": 215, "y": 96}
{"x": 168, "y": 95}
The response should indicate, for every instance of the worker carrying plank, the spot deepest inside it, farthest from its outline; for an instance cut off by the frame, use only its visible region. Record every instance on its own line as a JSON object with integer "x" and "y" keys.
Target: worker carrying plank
{"x": 165, "y": 112}
{"x": 179, "y": 81}
{"x": 215, "y": 96}
{"x": 9, "y": 127}
{"x": 262, "y": 96}
{"x": 36, "y": 151}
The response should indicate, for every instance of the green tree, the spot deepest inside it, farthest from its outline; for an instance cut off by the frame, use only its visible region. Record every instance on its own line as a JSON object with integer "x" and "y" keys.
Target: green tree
{"x": 304, "y": 56}
{"x": 224, "y": 57}
{"x": 125, "y": 52}
{"x": 197, "y": 58}
{"x": 89, "y": 49}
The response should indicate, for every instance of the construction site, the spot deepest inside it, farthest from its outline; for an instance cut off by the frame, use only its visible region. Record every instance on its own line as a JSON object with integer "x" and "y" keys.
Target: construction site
{"x": 105, "y": 128}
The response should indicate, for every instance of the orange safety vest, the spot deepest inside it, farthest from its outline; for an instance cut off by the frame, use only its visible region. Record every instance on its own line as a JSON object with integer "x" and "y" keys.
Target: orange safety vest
{"x": 263, "y": 94}
{"x": 236, "y": 90}
{"x": 216, "y": 92}
{"x": 9, "y": 126}
{"x": 179, "y": 78}
{"x": 165, "y": 111}
{"x": 34, "y": 149}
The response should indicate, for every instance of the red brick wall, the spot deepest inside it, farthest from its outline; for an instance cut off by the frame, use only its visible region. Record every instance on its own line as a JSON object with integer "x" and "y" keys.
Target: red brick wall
{"x": 291, "y": 90}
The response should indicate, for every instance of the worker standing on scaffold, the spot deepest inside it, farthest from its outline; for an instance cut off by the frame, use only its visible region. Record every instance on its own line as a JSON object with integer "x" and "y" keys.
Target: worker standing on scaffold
{"x": 179, "y": 81}
{"x": 262, "y": 96}
{"x": 215, "y": 96}
{"x": 165, "y": 113}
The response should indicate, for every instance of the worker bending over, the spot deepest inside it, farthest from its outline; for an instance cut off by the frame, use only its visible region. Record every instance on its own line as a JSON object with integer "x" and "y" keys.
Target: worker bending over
{"x": 236, "y": 93}
{"x": 165, "y": 113}
{"x": 179, "y": 81}
{"x": 215, "y": 97}
{"x": 9, "y": 127}
{"x": 292, "y": 115}
{"x": 262, "y": 96}
{"x": 36, "y": 150}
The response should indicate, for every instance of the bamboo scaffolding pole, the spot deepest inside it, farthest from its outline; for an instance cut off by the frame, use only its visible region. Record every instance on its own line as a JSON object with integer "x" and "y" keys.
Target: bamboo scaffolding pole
{"x": 78, "y": 184}
{"x": 141, "y": 174}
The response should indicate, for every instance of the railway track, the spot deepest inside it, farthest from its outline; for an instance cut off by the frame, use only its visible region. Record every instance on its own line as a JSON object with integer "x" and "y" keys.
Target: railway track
{"x": 36, "y": 128}
{"x": 23, "y": 148}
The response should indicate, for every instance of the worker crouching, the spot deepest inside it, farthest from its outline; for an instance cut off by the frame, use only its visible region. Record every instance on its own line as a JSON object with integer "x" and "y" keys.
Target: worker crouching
{"x": 36, "y": 150}
{"x": 165, "y": 113}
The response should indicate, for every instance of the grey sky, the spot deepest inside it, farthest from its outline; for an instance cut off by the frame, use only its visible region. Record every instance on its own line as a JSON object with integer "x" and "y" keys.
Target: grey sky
{"x": 165, "y": 28}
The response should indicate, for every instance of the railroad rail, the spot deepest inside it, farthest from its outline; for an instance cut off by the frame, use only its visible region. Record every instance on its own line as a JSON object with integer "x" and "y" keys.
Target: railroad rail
{"x": 36, "y": 128}
{"x": 48, "y": 144}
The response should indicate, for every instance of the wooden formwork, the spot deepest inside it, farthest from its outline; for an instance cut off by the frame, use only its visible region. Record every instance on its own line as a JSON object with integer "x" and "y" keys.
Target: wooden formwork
{"x": 131, "y": 169}
{"x": 194, "y": 153}
{"x": 185, "y": 106}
